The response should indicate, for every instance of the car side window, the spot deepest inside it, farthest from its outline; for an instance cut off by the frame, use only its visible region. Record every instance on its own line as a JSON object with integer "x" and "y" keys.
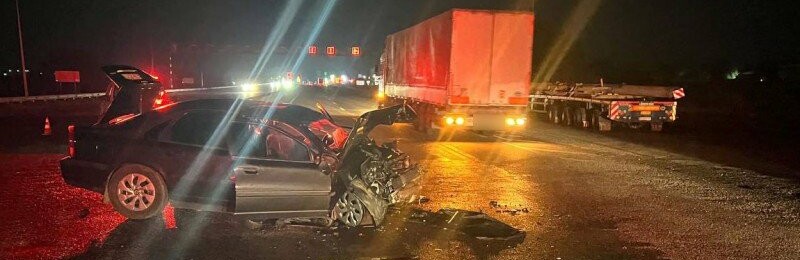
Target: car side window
{"x": 281, "y": 146}
{"x": 257, "y": 141}
{"x": 247, "y": 140}
{"x": 196, "y": 127}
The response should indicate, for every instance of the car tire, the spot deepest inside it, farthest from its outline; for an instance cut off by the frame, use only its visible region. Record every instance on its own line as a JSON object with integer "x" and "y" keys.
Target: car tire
{"x": 350, "y": 211}
{"x": 137, "y": 192}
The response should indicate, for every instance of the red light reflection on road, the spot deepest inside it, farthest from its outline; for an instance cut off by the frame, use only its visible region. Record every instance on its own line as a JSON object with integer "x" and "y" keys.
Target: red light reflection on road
{"x": 169, "y": 217}
{"x": 43, "y": 217}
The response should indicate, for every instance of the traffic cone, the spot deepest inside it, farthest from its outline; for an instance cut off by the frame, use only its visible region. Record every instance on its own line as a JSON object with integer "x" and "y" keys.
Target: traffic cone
{"x": 47, "y": 130}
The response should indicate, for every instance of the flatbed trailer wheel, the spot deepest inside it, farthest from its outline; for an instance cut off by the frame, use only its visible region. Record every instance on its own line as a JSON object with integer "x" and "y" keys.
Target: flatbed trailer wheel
{"x": 594, "y": 118}
{"x": 557, "y": 111}
{"x": 582, "y": 120}
{"x": 567, "y": 116}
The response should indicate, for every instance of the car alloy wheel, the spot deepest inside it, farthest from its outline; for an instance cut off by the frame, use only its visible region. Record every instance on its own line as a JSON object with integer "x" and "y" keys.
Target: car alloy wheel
{"x": 136, "y": 192}
{"x": 349, "y": 209}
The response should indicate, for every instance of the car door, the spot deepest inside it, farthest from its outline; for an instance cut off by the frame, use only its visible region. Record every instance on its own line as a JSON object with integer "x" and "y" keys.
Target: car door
{"x": 196, "y": 164}
{"x": 271, "y": 183}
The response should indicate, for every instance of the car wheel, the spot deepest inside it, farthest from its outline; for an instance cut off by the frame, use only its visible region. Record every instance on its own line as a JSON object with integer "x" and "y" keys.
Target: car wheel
{"x": 137, "y": 192}
{"x": 350, "y": 210}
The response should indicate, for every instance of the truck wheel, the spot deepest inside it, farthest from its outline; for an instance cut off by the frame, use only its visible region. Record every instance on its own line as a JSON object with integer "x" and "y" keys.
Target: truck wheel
{"x": 551, "y": 114}
{"x": 137, "y": 192}
{"x": 656, "y": 127}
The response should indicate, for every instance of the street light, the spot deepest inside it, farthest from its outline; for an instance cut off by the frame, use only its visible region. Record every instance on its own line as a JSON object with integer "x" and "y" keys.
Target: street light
{"x": 21, "y": 51}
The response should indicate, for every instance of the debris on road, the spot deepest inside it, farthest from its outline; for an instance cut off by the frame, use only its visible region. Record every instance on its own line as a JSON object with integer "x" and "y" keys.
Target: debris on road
{"x": 501, "y": 208}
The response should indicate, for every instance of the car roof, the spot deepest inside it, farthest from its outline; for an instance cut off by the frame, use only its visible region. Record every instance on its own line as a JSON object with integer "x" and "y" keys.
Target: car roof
{"x": 254, "y": 110}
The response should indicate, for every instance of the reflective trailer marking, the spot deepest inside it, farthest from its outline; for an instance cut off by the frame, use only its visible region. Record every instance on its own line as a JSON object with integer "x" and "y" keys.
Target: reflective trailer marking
{"x": 613, "y": 111}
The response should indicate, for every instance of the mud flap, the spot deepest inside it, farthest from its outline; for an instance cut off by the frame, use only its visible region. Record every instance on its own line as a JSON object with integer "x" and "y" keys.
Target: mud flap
{"x": 376, "y": 206}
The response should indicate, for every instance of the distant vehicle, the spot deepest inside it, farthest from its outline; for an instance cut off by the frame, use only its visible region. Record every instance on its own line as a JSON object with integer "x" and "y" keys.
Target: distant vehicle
{"x": 361, "y": 82}
{"x": 462, "y": 69}
{"x": 601, "y": 106}
{"x": 227, "y": 155}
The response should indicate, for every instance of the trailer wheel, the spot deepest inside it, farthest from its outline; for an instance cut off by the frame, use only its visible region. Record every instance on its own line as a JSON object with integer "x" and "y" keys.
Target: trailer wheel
{"x": 594, "y": 120}
{"x": 557, "y": 111}
{"x": 418, "y": 123}
{"x": 581, "y": 118}
{"x": 430, "y": 116}
{"x": 567, "y": 116}
{"x": 551, "y": 113}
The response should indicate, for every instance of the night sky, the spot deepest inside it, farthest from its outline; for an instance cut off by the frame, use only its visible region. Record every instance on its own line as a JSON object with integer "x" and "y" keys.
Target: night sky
{"x": 624, "y": 40}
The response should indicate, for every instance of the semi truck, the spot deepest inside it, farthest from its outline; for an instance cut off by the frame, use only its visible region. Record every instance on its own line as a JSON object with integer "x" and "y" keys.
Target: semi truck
{"x": 467, "y": 69}
{"x": 601, "y": 106}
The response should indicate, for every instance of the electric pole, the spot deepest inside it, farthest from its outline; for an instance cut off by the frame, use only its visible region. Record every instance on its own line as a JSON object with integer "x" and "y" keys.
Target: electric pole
{"x": 22, "y": 52}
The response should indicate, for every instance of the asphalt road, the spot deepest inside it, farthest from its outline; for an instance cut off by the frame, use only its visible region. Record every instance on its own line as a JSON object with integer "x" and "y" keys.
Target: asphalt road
{"x": 575, "y": 194}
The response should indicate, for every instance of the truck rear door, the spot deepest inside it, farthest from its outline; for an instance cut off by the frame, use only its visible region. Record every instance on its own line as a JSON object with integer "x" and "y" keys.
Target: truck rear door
{"x": 471, "y": 57}
{"x": 512, "y": 52}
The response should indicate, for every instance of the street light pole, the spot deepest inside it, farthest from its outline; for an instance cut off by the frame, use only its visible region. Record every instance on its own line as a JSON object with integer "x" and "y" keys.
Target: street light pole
{"x": 22, "y": 52}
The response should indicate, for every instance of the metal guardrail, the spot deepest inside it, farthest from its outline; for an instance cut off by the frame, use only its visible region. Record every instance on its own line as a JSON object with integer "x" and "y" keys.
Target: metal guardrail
{"x": 196, "y": 89}
{"x": 87, "y": 95}
{"x": 50, "y": 97}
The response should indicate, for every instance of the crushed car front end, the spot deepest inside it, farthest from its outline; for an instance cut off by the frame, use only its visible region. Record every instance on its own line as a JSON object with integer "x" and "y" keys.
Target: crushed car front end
{"x": 377, "y": 175}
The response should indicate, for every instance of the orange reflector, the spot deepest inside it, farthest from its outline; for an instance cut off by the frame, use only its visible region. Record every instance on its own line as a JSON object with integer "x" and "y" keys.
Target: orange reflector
{"x": 518, "y": 100}
{"x": 646, "y": 108}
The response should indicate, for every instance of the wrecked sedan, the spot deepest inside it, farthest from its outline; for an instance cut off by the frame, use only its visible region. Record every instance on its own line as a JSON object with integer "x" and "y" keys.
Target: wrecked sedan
{"x": 250, "y": 158}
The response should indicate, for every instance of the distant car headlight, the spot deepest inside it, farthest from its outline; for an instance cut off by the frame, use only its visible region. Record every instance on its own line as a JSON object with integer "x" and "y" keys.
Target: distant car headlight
{"x": 287, "y": 84}
{"x": 248, "y": 87}
{"x": 510, "y": 121}
{"x": 449, "y": 120}
{"x": 459, "y": 120}
{"x": 520, "y": 121}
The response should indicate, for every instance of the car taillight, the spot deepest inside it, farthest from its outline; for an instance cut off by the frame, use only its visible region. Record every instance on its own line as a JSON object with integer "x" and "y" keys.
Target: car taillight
{"x": 71, "y": 140}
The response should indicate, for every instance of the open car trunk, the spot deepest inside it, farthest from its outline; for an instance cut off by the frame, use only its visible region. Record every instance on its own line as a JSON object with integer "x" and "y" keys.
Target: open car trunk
{"x": 133, "y": 92}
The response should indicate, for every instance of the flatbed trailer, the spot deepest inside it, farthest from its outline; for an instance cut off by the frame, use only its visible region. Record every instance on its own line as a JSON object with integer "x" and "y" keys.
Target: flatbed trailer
{"x": 603, "y": 110}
